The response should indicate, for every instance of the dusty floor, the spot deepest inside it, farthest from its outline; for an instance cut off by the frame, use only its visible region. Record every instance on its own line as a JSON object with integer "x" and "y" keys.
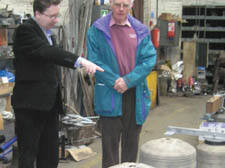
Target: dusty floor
{"x": 172, "y": 111}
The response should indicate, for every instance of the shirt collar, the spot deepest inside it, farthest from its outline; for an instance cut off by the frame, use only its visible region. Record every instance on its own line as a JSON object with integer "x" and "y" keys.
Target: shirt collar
{"x": 48, "y": 32}
{"x": 113, "y": 22}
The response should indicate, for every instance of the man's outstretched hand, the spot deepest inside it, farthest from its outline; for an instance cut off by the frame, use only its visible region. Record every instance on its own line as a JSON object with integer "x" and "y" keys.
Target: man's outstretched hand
{"x": 90, "y": 67}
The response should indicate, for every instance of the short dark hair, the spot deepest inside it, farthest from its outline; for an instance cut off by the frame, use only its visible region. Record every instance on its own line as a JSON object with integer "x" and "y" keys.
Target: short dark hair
{"x": 42, "y": 5}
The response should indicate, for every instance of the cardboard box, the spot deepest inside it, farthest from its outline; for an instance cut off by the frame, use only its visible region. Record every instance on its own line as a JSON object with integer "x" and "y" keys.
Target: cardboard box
{"x": 81, "y": 152}
{"x": 5, "y": 93}
{"x": 6, "y": 88}
{"x": 78, "y": 153}
{"x": 166, "y": 16}
{"x": 1, "y": 123}
{"x": 66, "y": 154}
{"x": 170, "y": 17}
{"x": 214, "y": 104}
{"x": 8, "y": 103}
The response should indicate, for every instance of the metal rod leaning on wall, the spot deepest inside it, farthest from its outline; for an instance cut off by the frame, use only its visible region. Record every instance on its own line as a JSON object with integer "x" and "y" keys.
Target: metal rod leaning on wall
{"x": 80, "y": 18}
{"x": 85, "y": 24}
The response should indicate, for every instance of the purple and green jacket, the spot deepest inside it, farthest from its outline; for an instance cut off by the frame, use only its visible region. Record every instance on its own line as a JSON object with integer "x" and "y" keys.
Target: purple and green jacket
{"x": 107, "y": 101}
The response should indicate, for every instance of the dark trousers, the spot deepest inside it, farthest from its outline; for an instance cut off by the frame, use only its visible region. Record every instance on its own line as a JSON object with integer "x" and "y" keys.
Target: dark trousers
{"x": 37, "y": 137}
{"x": 124, "y": 127}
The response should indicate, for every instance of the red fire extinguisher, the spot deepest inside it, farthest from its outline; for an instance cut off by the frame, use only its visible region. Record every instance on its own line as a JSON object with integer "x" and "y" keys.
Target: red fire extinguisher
{"x": 171, "y": 29}
{"x": 155, "y": 33}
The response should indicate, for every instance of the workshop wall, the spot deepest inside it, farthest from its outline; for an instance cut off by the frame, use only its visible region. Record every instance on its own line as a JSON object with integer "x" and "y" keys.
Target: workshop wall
{"x": 175, "y": 6}
{"x": 203, "y": 2}
{"x": 147, "y": 11}
{"x": 164, "y": 6}
{"x": 18, "y": 6}
{"x": 23, "y": 7}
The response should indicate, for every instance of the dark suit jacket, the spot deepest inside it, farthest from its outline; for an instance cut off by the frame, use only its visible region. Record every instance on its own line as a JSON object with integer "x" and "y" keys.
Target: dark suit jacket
{"x": 36, "y": 61}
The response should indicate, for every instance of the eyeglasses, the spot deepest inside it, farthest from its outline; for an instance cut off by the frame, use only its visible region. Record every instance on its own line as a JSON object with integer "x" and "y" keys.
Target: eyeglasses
{"x": 119, "y": 5}
{"x": 52, "y": 17}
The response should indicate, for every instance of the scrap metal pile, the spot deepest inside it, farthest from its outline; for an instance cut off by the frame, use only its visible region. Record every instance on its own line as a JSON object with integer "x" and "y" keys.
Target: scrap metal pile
{"x": 79, "y": 130}
{"x": 8, "y": 18}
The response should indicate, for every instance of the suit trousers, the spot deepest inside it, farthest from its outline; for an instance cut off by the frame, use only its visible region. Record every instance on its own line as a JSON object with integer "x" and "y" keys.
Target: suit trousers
{"x": 124, "y": 128}
{"x": 37, "y": 137}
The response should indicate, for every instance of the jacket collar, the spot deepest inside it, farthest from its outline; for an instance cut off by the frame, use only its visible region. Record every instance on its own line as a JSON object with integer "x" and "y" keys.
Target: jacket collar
{"x": 103, "y": 24}
{"x": 37, "y": 27}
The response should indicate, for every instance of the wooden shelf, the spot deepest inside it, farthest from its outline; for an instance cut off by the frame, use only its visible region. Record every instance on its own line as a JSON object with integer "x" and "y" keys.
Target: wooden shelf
{"x": 190, "y": 17}
{"x": 197, "y": 28}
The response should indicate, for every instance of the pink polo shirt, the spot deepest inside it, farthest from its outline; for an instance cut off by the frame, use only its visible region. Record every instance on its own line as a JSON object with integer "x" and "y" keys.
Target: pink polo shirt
{"x": 124, "y": 40}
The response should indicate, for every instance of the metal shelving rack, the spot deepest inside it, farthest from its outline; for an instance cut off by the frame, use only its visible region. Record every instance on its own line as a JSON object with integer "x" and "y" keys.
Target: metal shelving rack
{"x": 205, "y": 24}
{"x": 208, "y": 22}
{"x": 5, "y": 57}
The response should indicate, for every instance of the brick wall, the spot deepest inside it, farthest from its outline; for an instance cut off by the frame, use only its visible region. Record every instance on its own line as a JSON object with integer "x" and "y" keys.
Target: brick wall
{"x": 169, "y": 6}
{"x": 21, "y": 6}
{"x": 25, "y": 6}
{"x": 203, "y": 2}
{"x": 18, "y": 6}
{"x": 165, "y": 6}
{"x": 175, "y": 6}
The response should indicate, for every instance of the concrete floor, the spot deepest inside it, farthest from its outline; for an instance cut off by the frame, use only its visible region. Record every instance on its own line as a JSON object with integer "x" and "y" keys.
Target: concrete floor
{"x": 172, "y": 111}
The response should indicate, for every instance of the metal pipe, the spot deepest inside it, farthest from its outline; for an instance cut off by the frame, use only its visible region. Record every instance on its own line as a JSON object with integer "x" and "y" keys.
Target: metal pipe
{"x": 157, "y": 6}
{"x": 8, "y": 144}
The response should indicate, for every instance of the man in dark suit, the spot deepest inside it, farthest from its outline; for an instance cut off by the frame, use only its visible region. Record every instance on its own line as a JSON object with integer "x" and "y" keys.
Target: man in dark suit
{"x": 36, "y": 96}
